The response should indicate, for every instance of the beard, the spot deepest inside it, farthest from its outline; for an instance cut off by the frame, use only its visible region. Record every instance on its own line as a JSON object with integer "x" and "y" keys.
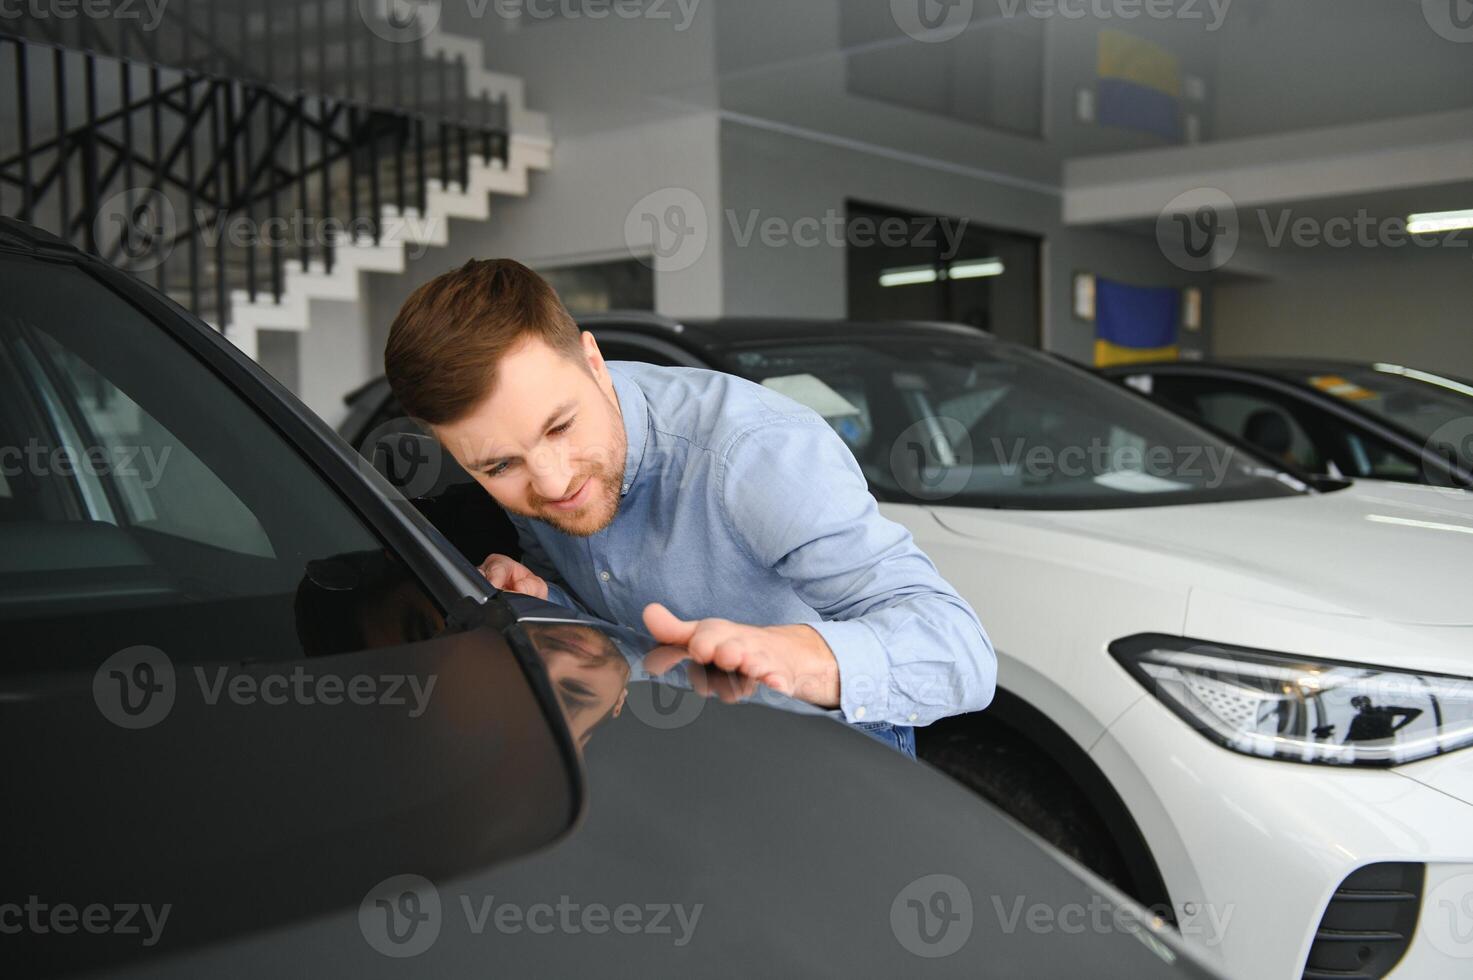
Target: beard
{"x": 603, "y": 504}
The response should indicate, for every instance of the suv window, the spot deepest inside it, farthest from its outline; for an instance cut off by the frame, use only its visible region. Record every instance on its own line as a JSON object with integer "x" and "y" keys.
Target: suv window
{"x": 144, "y": 502}
{"x": 1288, "y": 427}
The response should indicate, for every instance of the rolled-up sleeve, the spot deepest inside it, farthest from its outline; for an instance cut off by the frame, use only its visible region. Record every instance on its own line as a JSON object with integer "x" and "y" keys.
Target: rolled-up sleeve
{"x": 910, "y": 650}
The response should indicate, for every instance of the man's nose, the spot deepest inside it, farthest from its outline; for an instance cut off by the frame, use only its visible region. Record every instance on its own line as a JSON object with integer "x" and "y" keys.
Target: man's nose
{"x": 552, "y": 474}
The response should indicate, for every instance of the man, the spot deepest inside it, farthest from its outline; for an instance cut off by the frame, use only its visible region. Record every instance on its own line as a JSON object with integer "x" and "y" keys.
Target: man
{"x": 729, "y": 520}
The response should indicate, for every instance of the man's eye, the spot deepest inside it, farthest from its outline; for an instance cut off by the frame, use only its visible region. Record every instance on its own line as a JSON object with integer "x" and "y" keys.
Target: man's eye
{"x": 497, "y": 470}
{"x": 558, "y": 430}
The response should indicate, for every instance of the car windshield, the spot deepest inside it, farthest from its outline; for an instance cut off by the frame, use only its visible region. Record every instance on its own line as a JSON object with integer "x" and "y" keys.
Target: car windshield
{"x": 983, "y": 424}
{"x": 1432, "y": 407}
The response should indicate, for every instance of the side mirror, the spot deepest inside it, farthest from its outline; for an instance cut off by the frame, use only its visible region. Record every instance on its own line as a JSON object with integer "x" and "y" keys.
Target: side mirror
{"x": 154, "y": 806}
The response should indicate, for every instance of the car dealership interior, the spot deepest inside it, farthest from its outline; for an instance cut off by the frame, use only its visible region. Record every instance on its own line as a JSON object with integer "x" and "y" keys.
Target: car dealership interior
{"x": 1045, "y": 428}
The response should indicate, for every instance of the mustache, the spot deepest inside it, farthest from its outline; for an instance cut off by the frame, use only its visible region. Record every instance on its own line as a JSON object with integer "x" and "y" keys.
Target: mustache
{"x": 577, "y": 482}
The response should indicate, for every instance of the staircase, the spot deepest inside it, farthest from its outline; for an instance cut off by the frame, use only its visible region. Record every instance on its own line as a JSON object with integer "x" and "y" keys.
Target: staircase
{"x": 252, "y": 158}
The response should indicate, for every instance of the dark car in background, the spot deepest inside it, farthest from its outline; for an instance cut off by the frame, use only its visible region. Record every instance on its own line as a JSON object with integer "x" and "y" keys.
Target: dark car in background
{"x": 1326, "y": 417}
{"x": 265, "y": 720}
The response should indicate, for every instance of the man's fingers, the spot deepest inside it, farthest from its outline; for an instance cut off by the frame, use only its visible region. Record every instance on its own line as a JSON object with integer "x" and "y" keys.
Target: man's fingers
{"x": 663, "y": 658}
{"x": 666, "y": 627}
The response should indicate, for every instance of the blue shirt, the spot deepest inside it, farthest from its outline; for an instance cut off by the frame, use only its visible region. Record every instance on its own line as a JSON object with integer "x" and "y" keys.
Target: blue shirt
{"x": 740, "y": 503}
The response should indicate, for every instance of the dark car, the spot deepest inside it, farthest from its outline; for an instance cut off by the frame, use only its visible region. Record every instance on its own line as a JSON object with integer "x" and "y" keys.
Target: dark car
{"x": 262, "y": 719}
{"x": 1329, "y": 417}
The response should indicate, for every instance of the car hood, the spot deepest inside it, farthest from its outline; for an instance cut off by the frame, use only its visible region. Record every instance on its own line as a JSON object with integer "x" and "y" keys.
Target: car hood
{"x": 1387, "y": 551}
{"x": 735, "y": 840}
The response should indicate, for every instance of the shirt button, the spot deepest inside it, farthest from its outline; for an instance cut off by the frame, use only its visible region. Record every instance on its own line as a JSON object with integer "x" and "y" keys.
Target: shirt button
{"x": 859, "y": 713}
{"x": 913, "y": 716}
{"x": 604, "y": 576}
{"x": 626, "y": 488}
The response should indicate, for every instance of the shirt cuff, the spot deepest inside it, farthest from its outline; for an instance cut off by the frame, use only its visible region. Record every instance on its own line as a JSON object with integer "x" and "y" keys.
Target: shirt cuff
{"x": 864, "y": 669}
{"x": 558, "y": 596}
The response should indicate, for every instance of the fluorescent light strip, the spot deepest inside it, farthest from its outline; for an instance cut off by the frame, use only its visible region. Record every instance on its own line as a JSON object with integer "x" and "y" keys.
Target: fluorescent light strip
{"x": 976, "y": 269}
{"x": 908, "y": 277}
{"x": 919, "y": 274}
{"x": 1432, "y": 222}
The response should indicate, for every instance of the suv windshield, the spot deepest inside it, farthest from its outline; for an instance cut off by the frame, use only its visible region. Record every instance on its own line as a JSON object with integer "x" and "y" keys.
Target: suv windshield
{"x": 144, "y": 503}
{"x": 976, "y": 423}
{"x": 1429, "y": 406}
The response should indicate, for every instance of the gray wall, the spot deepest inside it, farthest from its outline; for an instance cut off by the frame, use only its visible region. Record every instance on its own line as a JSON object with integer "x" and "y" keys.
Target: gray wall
{"x": 1408, "y": 306}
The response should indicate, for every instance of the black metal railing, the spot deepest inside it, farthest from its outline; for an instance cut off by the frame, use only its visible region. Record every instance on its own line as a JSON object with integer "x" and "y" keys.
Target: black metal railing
{"x": 203, "y": 182}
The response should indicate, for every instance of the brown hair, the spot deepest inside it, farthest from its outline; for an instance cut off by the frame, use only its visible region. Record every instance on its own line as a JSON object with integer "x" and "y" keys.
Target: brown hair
{"x": 452, "y": 332}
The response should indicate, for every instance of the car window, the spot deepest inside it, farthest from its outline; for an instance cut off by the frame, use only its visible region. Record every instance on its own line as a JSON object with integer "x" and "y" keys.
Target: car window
{"x": 1289, "y": 428}
{"x": 1432, "y": 407}
{"x": 623, "y": 350}
{"x": 144, "y": 502}
{"x": 976, "y": 423}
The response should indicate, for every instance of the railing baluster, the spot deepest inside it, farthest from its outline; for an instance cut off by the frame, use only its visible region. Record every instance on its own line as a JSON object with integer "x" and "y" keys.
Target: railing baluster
{"x": 272, "y": 149}
{"x": 125, "y": 88}
{"x": 156, "y": 135}
{"x": 300, "y": 122}
{"x": 324, "y": 152}
{"x": 189, "y": 192}
{"x": 90, "y": 189}
{"x": 248, "y": 107}
{"x": 23, "y": 125}
{"x": 63, "y": 145}
{"x": 442, "y": 79}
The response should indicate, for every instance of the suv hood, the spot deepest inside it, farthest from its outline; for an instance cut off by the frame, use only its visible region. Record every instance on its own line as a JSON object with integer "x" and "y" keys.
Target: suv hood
{"x": 1388, "y": 551}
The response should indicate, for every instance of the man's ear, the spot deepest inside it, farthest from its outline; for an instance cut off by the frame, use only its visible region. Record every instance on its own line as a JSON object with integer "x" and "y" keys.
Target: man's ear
{"x": 619, "y": 705}
{"x": 594, "y": 355}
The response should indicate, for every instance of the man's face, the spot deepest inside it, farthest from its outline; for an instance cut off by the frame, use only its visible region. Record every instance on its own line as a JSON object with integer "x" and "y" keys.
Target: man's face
{"x": 548, "y": 442}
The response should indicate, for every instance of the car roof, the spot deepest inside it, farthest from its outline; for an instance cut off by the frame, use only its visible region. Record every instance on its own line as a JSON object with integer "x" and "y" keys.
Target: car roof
{"x": 712, "y": 334}
{"x": 1293, "y": 369}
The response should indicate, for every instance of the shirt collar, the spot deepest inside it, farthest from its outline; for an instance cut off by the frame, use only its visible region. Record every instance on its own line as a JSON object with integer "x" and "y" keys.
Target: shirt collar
{"x": 635, "y": 409}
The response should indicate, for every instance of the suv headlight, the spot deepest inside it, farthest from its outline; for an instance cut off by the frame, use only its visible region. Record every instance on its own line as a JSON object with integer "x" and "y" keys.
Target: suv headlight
{"x": 1303, "y": 709}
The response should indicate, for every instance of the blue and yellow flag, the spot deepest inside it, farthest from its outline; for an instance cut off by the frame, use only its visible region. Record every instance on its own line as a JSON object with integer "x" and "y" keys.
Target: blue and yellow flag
{"x": 1134, "y": 324}
{"x": 1139, "y": 86}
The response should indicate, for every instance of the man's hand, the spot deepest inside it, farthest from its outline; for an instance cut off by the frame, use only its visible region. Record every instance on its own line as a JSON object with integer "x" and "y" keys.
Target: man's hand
{"x": 792, "y": 660}
{"x": 504, "y": 573}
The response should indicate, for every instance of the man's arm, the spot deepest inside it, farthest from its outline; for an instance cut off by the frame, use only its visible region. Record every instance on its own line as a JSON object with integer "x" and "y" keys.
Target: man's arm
{"x": 909, "y": 649}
